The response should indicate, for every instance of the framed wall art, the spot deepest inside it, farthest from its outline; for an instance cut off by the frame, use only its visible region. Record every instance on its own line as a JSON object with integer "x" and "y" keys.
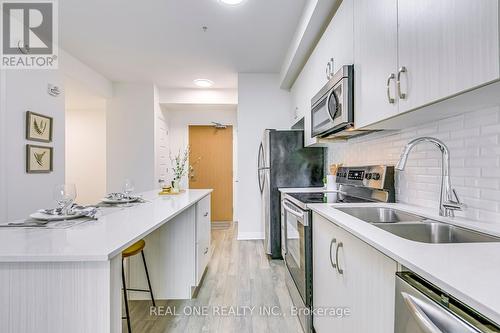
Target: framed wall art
{"x": 39, "y": 159}
{"x": 38, "y": 127}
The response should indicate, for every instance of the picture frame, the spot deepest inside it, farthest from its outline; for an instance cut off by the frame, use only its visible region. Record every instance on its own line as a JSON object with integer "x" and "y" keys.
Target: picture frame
{"x": 38, "y": 127}
{"x": 39, "y": 159}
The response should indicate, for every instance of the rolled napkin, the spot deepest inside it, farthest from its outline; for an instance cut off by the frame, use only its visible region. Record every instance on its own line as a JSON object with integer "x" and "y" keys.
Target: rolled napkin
{"x": 89, "y": 211}
{"x": 123, "y": 196}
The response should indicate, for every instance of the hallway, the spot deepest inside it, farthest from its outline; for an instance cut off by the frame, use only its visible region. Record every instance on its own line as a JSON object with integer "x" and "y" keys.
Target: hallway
{"x": 239, "y": 278}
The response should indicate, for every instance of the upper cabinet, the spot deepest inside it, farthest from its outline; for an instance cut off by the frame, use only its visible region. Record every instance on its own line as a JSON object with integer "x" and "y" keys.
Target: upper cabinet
{"x": 375, "y": 60}
{"x": 409, "y": 54}
{"x": 445, "y": 47}
{"x": 337, "y": 43}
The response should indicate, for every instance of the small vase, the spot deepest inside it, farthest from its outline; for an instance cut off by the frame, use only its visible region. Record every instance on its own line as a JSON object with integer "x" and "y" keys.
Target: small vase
{"x": 175, "y": 186}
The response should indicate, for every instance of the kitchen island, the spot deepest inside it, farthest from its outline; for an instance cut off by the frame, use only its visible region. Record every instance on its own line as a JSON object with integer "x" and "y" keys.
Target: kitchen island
{"x": 69, "y": 280}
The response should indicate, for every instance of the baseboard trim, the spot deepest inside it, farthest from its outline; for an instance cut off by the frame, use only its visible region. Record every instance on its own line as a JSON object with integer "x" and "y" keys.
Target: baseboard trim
{"x": 250, "y": 235}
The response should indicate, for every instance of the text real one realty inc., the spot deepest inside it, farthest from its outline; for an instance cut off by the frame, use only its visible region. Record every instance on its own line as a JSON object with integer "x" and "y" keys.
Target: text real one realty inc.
{"x": 241, "y": 311}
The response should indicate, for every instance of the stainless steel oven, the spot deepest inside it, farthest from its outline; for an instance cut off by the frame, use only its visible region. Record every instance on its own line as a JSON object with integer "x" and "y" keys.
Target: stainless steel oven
{"x": 332, "y": 108}
{"x": 297, "y": 252}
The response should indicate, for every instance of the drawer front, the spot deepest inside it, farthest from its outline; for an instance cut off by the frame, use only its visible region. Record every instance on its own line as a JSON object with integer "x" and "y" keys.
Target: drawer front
{"x": 202, "y": 258}
{"x": 203, "y": 219}
{"x": 203, "y": 236}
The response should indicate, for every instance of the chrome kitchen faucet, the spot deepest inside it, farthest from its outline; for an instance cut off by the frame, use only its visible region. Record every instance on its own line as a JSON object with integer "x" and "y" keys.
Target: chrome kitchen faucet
{"x": 448, "y": 201}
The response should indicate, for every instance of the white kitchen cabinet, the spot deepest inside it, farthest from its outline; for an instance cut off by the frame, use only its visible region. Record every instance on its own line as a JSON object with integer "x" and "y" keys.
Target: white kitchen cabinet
{"x": 437, "y": 49}
{"x": 365, "y": 287}
{"x": 203, "y": 230}
{"x": 447, "y": 47}
{"x": 375, "y": 60}
{"x": 177, "y": 254}
{"x": 337, "y": 43}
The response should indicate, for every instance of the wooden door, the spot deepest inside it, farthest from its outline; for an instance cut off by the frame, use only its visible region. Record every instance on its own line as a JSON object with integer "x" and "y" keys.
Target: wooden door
{"x": 375, "y": 59}
{"x": 447, "y": 47}
{"x": 212, "y": 159}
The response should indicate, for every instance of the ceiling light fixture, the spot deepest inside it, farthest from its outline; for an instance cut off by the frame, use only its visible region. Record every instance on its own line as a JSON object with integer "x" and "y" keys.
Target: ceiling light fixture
{"x": 203, "y": 83}
{"x": 231, "y": 2}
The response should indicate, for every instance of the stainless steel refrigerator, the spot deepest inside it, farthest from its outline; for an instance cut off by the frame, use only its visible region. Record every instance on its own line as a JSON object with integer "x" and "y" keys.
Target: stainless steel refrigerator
{"x": 284, "y": 162}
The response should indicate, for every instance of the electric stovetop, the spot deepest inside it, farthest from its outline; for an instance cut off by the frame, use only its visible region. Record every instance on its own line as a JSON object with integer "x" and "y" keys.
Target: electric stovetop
{"x": 325, "y": 197}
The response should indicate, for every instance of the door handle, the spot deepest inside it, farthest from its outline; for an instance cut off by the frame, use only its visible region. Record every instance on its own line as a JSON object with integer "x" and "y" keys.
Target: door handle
{"x": 334, "y": 265}
{"x": 206, "y": 250}
{"x": 402, "y": 95}
{"x": 206, "y": 214}
{"x": 389, "y": 79}
{"x": 423, "y": 321}
{"x": 339, "y": 270}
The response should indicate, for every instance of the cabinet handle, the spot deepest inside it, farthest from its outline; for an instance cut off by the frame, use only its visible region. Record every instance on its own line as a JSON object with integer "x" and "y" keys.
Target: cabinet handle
{"x": 206, "y": 250}
{"x": 206, "y": 214}
{"x": 340, "y": 270}
{"x": 328, "y": 71}
{"x": 389, "y": 98}
{"x": 334, "y": 265}
{"x": 402, "y": 95}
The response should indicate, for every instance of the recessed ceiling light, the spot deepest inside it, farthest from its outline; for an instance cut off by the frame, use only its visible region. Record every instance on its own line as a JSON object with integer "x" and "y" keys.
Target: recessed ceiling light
{"x": 231, "y": 2}
{"x": 203, "y": 83}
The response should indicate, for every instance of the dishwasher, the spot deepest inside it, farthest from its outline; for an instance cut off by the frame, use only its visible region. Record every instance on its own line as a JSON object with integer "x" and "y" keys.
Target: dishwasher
{"x": 424, "y": 308}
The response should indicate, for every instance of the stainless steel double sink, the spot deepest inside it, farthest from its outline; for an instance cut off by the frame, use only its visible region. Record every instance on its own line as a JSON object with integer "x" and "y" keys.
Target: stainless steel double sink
{"x": 415, "y": 227}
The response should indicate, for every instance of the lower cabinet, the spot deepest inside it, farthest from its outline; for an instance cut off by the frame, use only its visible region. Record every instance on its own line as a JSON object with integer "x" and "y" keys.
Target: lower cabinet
{"x": 177, "y": 254}
{"x": 353, "y": 283}
{"x": 203, "y": 229}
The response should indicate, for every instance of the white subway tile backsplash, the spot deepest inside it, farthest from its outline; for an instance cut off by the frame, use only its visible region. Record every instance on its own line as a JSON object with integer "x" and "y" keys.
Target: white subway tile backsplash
{"x": 474, "y": 142}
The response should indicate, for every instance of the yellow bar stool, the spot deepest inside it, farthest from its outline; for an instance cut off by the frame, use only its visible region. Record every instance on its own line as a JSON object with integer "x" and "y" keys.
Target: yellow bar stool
{"x": 129, "y": 252}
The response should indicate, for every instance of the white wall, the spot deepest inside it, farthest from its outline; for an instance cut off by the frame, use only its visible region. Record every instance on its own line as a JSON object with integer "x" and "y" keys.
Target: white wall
{"x": 86, "y": 76}
{"x": 261, "y": 105}
{"x": 86, "y": 153}
{"x": 181, "y": 116}
{"x": 3, "y": 147}
{"x": 21, "y": 91}
{"x": 474, "y": 142}
{"x": 198, "y": 96}
{"x": 130, "y": 131}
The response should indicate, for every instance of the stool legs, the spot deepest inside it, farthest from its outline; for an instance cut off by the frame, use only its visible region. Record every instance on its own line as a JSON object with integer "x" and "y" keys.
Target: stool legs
{"x": 147, "y": 277}
{"x": 126, "y": 299}
{"x": 125, "y": 289}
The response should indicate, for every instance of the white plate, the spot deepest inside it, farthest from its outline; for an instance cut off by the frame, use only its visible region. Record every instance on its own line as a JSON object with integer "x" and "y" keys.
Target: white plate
{"x": 47, "y": 217}
{"x": 119, "y": 201}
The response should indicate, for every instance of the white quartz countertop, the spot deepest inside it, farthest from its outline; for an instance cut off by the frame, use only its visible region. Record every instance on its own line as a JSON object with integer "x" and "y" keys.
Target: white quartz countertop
{"x": 468, "y": 271}
{"x": 97, "y": 240}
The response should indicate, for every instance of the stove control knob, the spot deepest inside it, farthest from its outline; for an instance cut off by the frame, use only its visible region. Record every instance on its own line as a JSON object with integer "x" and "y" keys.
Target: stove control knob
{"x": 376, "y": 176}
{"x": 368, "y": 176}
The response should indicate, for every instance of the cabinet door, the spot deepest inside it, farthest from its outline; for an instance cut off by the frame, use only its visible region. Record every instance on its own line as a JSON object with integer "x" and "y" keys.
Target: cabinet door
{"x": 447, "y": 47}
{"x": 365, "y": 288}
{"x": 203, "y": 229}
{"x": 337, "y": 44}
{"x": 326, "y": 283}
{"x": 375, "y": 59}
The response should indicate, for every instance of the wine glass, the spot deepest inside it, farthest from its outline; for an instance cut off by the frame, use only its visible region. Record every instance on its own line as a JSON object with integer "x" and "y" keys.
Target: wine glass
{"x": 65, "y": 195}
{"x": 128, "y": 188}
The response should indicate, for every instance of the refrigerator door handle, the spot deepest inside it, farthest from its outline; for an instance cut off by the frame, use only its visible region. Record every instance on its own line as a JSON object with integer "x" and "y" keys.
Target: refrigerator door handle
{"x": 261, "y": 183}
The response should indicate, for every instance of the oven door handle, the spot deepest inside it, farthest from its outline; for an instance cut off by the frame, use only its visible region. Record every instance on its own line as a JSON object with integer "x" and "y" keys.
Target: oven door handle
{"x": 299, "y": 214}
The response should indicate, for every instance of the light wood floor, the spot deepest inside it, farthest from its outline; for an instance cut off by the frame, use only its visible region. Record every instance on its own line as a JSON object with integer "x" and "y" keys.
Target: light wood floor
{"x": 238, "y": 275}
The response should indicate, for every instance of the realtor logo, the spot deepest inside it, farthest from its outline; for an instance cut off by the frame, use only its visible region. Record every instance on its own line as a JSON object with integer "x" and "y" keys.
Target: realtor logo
{"x": 29, "y": 33}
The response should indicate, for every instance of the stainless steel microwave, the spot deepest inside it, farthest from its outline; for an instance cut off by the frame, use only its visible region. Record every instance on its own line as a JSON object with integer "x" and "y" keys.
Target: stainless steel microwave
{"x": 332, "y": 108}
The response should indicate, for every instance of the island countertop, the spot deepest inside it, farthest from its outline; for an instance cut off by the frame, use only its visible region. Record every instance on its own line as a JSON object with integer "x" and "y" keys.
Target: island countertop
{"x": 98, "y": 240}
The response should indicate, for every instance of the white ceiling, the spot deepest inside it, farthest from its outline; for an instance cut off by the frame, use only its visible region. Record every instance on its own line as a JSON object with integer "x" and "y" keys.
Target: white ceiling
{"x": 162, "y": 41}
